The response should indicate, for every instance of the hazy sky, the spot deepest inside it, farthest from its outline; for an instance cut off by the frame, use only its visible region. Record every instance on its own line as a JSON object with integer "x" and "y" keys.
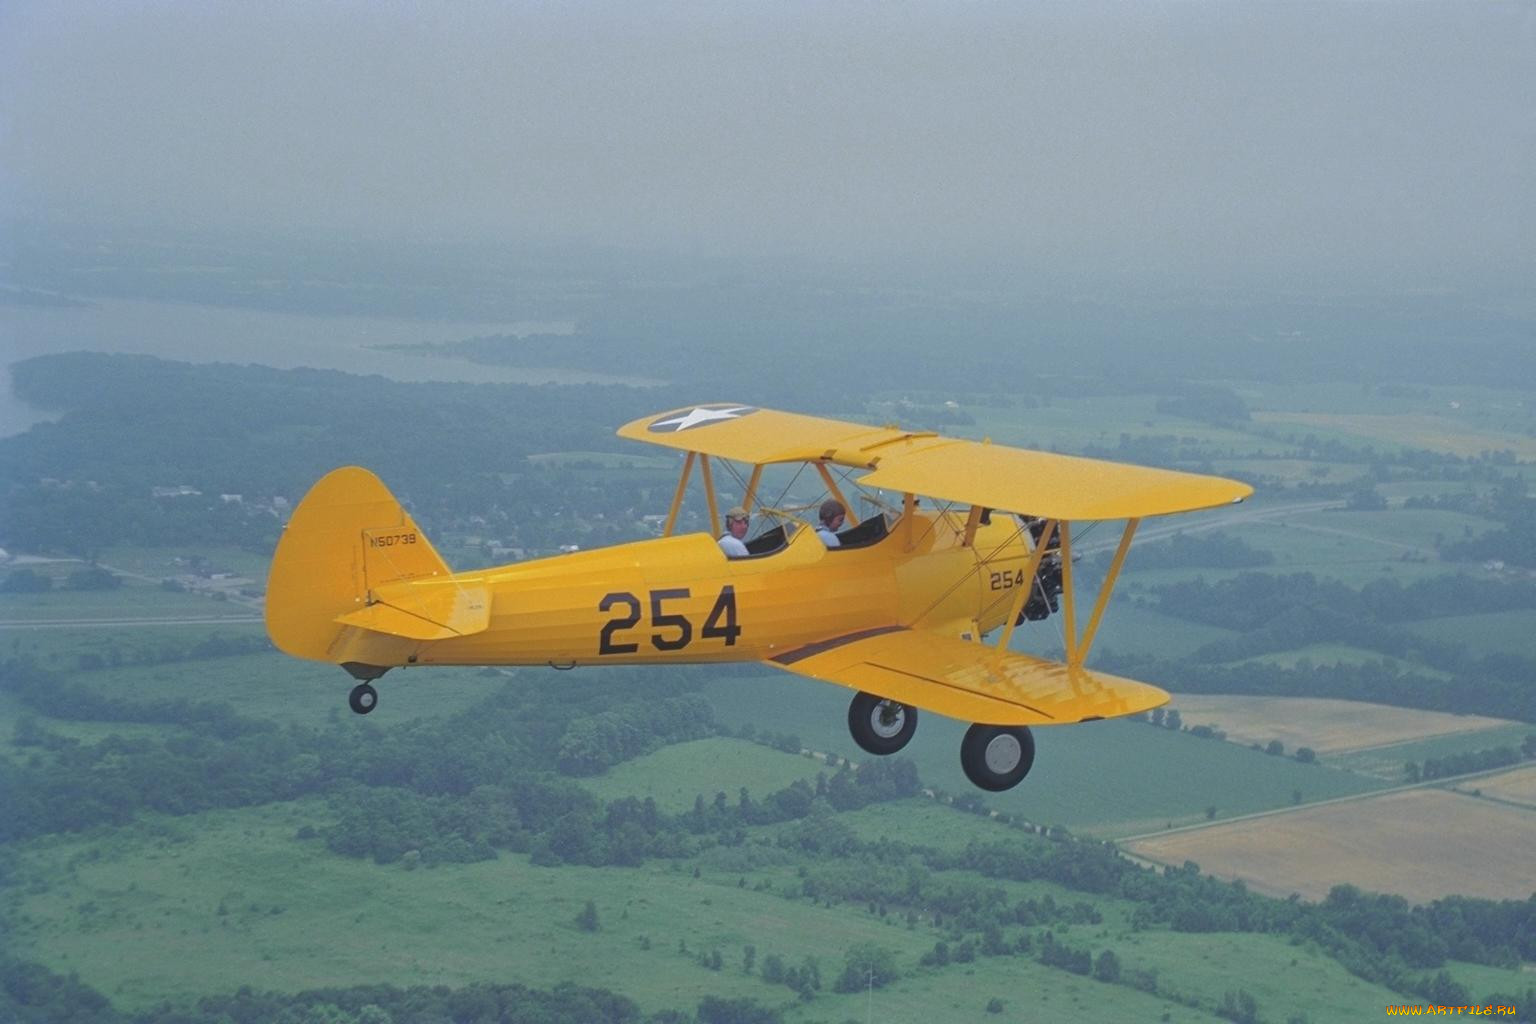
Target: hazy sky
{"x": 1381, "y": 143}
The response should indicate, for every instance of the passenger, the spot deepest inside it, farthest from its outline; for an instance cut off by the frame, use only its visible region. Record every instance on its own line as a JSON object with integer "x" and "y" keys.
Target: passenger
{"x": 832, "y": 516}
{"x": 733, "y": 540}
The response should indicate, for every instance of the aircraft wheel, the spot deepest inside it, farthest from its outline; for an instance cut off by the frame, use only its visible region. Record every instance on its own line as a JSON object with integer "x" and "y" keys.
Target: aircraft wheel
{"x": 997, "y": 757}
{"x": 363, "y": 698}
{"x": 880, "y": 726}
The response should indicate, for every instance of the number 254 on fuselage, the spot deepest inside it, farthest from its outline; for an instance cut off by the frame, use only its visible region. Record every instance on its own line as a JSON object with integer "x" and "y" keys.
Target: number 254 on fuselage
{"x": 899, "y": 610}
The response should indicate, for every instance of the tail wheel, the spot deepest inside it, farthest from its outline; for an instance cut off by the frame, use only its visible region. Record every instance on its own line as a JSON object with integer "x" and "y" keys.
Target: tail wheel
{"x": 997, "y": 757}
{"x": 880, "y": 726}
{"x": 363, "y": 698}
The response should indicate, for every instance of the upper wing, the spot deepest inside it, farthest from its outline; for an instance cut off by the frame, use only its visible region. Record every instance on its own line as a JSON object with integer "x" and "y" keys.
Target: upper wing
{"x": 1046, "y": 484}
{"x": 967, "y": 680}
{"x": 968, "y": 472}
{"x": 761, "y": 436}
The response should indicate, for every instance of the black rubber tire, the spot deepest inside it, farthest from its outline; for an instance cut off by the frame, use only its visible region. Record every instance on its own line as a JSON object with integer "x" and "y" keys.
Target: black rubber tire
{"x": 363, "y": 698}
{"x": 880, "y": 726}
{"x": 1012, "y": 750}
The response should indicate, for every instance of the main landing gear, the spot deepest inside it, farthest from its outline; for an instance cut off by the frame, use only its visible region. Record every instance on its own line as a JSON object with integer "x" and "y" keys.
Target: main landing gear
{"x": 994, "y": 757}
{"x": 880, "y": 726}
{"x": 997, "y": 757}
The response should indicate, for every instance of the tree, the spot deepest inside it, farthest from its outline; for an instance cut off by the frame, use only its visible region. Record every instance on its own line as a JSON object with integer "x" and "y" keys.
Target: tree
{"x": 93, "y": 578}
{"x": 587, "y": 919}
{"x": 1306, "y": 755}
{"x": 1107, "y": 967}
{"x": 714, "y": 1010}
{"x": 1275, "y": 748}
{"x": 1173, "y": 720}
{"x": 867, "y": 966}
{"x": 25, "y": 581}
{"x": 1240, "y": 1007}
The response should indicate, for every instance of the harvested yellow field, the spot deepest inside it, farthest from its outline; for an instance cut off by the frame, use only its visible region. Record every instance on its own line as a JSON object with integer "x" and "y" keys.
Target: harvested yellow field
{"x": 1327, "y": 726}
{"x": 1421, "y": 843}
{"x": 1421, "y": 431}
{"x": 1517, "y": 786}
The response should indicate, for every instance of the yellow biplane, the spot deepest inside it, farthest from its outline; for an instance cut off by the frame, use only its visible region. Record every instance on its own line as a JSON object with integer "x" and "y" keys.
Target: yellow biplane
{"x": 898, "y": 611}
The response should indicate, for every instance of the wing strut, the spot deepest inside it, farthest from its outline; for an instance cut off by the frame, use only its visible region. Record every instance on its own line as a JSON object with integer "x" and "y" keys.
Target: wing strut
{"x": 677, "y": 496}
{"x": 1109, "y": 584}
{"x": 1077, "y": 647}
{"x": 709, "y": 496}
{"x": 1022, "y": 593}
{"x": 1068, "y": 595}
{"x": 757, "y": 477}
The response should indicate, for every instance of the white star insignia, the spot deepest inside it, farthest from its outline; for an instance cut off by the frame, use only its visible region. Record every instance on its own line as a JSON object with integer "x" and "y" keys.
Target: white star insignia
{"x": 698, "y": 416}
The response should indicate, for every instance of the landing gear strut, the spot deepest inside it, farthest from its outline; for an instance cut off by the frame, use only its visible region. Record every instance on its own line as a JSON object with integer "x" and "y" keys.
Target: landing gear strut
{"x": 880, "y": 726}
{"x": 997, "y": 757}
{"x": 363, "y": 698}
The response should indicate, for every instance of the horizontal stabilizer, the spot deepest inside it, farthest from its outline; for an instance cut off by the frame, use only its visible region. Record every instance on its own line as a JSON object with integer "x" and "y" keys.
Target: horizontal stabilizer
{"x": 434, "y": 612}
{"x": 968, "y": 680}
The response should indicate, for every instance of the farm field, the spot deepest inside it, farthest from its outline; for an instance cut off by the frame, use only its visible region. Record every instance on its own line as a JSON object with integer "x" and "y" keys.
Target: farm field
{"x": 1424, "y": 844}
{"x": 1517, "y": 786}
{"x": 1319, "y": 655}
{"x": 1397, "y": 530}
{"x": 1387, "y": 762}
{"x": 1327, "y": 726}
{"x": 1405, "y": 430}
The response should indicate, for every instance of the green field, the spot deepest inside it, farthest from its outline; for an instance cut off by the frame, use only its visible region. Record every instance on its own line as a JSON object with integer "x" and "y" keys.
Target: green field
{"x": 160, "y": 563}
{"x": 1102, "y": 778}
{"x": 1133, "y": 628}
{"x": 280, "y": 688}
{"x": 1511, "y": 632}
{"x": 922, "y": 821}
{"x": 173, "y": 909}
{"x": 206, "y": 904}
{"x": 134, "y": 600}
{"x": 674, "y": 776}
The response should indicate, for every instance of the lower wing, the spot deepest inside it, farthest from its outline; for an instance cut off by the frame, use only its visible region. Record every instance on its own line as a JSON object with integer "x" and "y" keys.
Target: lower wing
{"x": 967, "y": 680}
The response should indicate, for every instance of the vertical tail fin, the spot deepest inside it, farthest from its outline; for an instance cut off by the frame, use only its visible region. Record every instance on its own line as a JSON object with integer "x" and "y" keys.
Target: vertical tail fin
{"x": 347, "y": 538}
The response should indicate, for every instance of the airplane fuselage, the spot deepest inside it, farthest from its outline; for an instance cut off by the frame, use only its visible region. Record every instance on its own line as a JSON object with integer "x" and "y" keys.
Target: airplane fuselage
{"x": 680, "y": 599}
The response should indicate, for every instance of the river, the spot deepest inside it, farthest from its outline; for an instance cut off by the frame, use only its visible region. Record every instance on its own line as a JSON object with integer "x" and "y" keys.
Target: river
{"x": 218, "y": 334}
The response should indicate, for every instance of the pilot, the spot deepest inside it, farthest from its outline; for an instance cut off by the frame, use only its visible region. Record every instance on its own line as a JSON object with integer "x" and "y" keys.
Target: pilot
{"x": 832, "y": 516}
{"x": 733, "y": 540}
